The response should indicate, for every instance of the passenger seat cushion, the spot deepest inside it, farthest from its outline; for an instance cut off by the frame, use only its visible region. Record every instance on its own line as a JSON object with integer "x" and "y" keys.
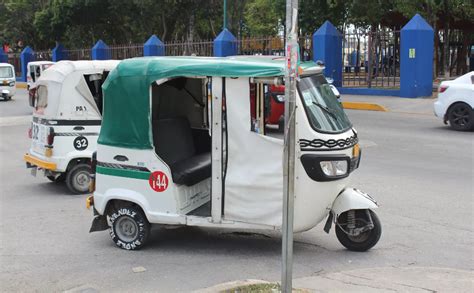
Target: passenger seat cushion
{"x": 192, "y": 170}
{"x": 174, "y": 144}
{"x": 173, "y": 139}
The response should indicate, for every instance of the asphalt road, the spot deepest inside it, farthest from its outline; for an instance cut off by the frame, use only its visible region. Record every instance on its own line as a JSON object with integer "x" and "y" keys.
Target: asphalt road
{"x": 420, "y": 172}
{"x": 17, "y": 106}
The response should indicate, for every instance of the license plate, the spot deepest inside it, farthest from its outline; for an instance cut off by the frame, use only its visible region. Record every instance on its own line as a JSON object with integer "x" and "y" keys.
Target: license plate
{"x": 38, "y": 137}
{"x": 34, "y": 170}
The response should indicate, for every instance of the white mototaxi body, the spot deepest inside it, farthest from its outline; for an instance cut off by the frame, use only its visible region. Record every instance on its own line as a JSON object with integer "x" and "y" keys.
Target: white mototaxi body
{"x": 66, "y": 120}
{"x": 192, "y": 151}
{"x": 34, "y": 71}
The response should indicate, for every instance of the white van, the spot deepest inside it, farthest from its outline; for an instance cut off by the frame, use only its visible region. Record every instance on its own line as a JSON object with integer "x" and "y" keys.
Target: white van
{"x": 35, "y": 70}
{"x": 7, "y": 81}
{"x": 67, "y": 102}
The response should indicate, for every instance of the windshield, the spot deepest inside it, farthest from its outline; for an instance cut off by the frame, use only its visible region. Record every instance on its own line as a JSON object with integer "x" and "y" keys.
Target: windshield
{"x": 324, "y": 111}
{"x": 6, "y": 72}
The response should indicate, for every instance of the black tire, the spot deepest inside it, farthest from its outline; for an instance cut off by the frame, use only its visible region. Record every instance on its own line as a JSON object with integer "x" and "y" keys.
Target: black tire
{"x": 461, "y": 117}
{"x": 281, "y": 125}
{"x": 129, "y": 228}
{"x": 365, "y": 240}
{"x": 60, "y": 178}
{"x": 78, "y": 178}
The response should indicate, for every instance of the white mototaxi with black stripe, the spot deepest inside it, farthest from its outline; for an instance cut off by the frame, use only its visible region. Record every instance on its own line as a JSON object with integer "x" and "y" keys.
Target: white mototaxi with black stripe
{"x": 67, "y": 103}
{"x": 184, "y": 141}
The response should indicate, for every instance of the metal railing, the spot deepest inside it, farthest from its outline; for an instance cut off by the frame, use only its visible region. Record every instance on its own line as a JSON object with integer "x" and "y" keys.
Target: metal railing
{"x": 119, "y": 52}
{"x": 14, "y": 59}
{"x": 371, "y": 59}
{"x": 181, "y": 48}
{"x": 45, "y": 55}
{"x": 78, "y": 54}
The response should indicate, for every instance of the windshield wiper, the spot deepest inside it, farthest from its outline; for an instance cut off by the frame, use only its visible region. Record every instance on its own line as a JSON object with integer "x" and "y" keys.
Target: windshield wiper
{"x": 326, "y": 109}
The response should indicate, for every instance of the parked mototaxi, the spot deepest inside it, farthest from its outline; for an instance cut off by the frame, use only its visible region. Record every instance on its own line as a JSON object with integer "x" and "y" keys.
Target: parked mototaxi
{"x": 35, "y": 70}
{"x": 180, "y": 145}
{"x": 67, "y": 102}
{"x": 7, "y": 81}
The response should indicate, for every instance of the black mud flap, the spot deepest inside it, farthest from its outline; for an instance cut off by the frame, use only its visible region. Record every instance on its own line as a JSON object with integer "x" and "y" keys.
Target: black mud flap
{"x": 327, "y": 226}
{"x": 99, "y": 224}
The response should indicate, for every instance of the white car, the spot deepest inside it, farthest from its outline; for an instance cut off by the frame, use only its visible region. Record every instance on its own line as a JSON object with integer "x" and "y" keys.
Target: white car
{"x": 456, "y": 102}
{"x": 7, "y": 81}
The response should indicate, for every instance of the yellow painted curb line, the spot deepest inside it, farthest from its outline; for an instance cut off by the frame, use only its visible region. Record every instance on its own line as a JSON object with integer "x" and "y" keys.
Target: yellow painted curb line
{"x": 21, "y": 85}
{"x": 364, "y": 106}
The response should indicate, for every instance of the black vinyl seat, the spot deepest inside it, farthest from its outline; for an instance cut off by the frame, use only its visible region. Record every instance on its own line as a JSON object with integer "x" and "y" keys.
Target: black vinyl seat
{"x": 174, "y": 144}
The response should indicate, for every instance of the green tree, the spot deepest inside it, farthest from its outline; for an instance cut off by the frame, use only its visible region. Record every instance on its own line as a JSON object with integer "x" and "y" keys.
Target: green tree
{"x": 264, "y": 17}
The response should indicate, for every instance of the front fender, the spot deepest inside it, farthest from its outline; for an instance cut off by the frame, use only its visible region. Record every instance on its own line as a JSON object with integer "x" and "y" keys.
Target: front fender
{"x": 352, "y": 199}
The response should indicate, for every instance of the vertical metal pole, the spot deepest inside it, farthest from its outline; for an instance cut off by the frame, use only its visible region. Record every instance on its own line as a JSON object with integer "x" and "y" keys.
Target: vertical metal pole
{"x": 216, "y": 153}
{"x": 369, "y": 63}
{"x": 225, "y": 15}
{"x": 289, "y": 150}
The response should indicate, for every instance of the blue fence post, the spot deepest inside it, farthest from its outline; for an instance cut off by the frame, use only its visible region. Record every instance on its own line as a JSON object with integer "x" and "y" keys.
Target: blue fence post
{"x": 100, "y": 51}
{"x": 416, "y": 58}
{"x": 327, "y": 47}
{"x": 59, "y": 53}
{"x": 26, "y": 56}
{"x": 3, "y": 56}
{"x": 225, "y": 44}
{"x": 154, "y": 47}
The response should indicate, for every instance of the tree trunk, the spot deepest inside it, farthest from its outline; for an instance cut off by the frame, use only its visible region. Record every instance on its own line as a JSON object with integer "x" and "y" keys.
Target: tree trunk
{"x": 446, "y": 41}
{"x": 465, "y": 51}
{"x": 190, "y": 37}
{"x": 165, "y": 28}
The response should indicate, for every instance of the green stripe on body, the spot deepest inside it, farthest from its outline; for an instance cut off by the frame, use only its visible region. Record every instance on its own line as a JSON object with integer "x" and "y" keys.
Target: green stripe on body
{"x": 123, "y": 173}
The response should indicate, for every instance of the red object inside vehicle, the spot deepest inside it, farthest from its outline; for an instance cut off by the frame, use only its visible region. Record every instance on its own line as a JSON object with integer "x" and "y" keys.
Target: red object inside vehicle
{"x": 277, "y": 107}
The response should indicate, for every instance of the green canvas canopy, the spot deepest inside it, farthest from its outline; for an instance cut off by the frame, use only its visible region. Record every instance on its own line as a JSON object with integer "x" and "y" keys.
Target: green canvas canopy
{"x": 126, "y": 108}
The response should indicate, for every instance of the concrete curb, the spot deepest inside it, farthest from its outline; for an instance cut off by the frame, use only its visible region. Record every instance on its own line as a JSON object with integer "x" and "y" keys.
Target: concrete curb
{"x": 381, "y": 279}
{"x": 364, "y": 106}
{"x": 230, "y": 285}
{"x": 21, "y": 85}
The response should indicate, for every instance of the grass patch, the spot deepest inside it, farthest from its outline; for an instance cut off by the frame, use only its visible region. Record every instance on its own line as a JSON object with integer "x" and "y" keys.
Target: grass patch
{"x": 259, "y": 288}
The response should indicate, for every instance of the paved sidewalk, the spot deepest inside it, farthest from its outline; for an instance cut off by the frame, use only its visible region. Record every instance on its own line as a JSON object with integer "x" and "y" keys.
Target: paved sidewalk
{"x": 396, "y": 104}
{"x": 386, "y": 279}
{"x": 391, "y": 279}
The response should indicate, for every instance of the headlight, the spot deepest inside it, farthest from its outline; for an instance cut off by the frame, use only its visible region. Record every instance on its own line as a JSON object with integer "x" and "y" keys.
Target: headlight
{"x": 12, "y": 83}
{"x": 334, "y": 168}
{"x": 280, "y": 98}
{"x": 323, "y": 167}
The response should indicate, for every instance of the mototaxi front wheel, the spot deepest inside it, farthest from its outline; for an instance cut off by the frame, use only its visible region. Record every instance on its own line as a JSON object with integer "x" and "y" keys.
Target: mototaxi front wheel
{"x": 365, "y": 240}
